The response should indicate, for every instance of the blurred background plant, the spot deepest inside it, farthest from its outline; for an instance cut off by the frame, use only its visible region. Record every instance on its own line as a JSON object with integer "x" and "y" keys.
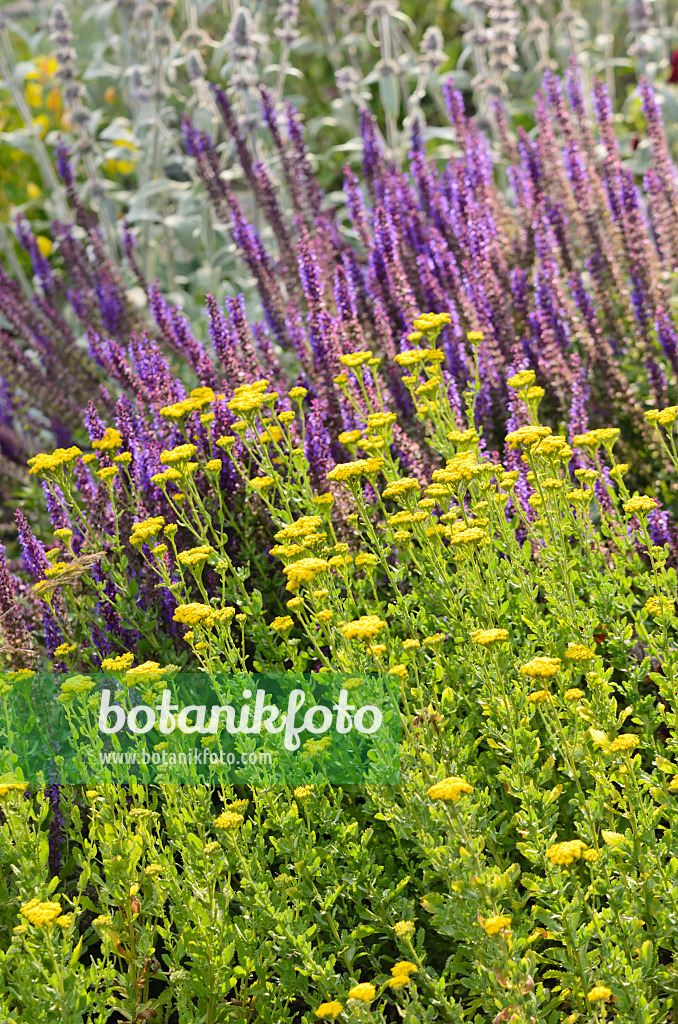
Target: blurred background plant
{"x": 113, "y": 80}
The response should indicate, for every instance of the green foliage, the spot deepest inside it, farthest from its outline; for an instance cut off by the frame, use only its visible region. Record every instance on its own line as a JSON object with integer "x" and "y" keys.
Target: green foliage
{"x": 524, "y": 868}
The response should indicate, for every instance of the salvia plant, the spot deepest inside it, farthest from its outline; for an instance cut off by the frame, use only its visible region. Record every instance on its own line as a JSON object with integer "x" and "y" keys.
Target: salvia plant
{"x": 523, "y": 869}
{"x": 569, "y": 273}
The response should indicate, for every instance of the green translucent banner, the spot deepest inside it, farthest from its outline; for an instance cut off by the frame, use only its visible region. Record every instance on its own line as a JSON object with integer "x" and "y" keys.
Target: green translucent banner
{"x": 165, "y": 726}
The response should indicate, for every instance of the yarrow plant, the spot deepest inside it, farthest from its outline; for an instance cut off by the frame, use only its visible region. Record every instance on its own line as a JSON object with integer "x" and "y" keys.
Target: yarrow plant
{"x": 527, "y": 617}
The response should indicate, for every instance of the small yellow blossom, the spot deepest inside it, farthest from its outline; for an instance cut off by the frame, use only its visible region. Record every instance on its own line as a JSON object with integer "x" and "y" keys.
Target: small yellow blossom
{"x": 119, "y": 664}
{"x": 195, "y": 556}
{"x": 328, "y": 1011}
{"x": 541, "y": 668}
{"x": 578, "y": 652}
{"x": 228, "y": 820}
{"x": 404, "y": 929}
{"x": 492, "y": 925}
{"x": 40, "y": 914}
{"x": 111, "y": 440}
{"x": 449, "y": 789}
{"x": 599, "y": 993}
{"x": 524, "y": 379}
{"x": 573, "y": 694}
{"x": 364, "y": 628}
{"x": 640, "y": 503}
{"x": 627, "y": 741}
{"x": 562, "y": 854}
{"x": 538, "y": 697}
{"x": 365, "y": 992}
{"x": 403, "y": 967}
{"x": 399, "y": 981}
{"x": 282, "y": 623}
{"x": 485, "y": 637}
{"x": 193, "y": 614}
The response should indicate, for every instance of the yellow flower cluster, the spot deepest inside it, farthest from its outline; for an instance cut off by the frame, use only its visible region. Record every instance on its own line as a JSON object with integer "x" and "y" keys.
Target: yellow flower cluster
{"x": 346, "y": 471}
{"x": 449, "y": 789}
{"x": 492, "y": 925}
{"x": 664, "y": 416}
{"x": 194, "y": 614}
{"x": 145, "y": 530}
{"x": 248, "y": 398}
{"x": 541, "y": 668}
{"x": 538, "y": 697}
{"x": 431, "y": 321}
{"x": 364, "y": 628}
{"x": 640, "y": 503}
{"x": 147, "y": 672}
{"x": 365, "y": 992}
{"x": 563, "y": 854}
{"x": 355, "y": 359}
{"x": 261, "y": 483}
{"x": 44, "y": 463}
{"x": 40, "y": 914}
{"x": 404, "y": 967}
{"x": 485, "y": 637}
{"x": 527, "y": 436}
{"x": 12, "y": 787}
{"x": 627, "y": 741}
{"x": 599, "y": 993}
{"x": 399, "y": 487}
{"x": 659, "y": 606}
{"x": 228, "y": 820}
{"x": 179, "y": 455}
{"x": 195, "y": 556}
{"x": 578, "y": 652}
{"x": 328, "y": 1011}
{"x": 119, "y": 664}
{"x": 197, "y": 399}
{"x": 283, "y": 623}
{"x": 594, "y": 438}
{"x": 65, "y": 648}
{"x": 111, "y": 440}
{"x": 524, "y": 379}
{"x": 414, "y": 356}
{"x": 304, "y": 571}
{"x": 300, "y": 528}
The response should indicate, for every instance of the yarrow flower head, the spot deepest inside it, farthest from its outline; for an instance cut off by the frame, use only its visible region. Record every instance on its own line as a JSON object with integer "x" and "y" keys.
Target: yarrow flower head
{"x": 195, "y": 556}
{"x": 120, "y": 664}
{"x": 449, "y": 789}
{"x": 599, "y": 993}
{"x": 524, "y": 379}
{"x": 541, "y": 668}
{"x": 365, "y": 628}
{"x": 492, "y": 925}
{"x": 44, "y": 463}
{"x": 176, "y": 456}
{"x": 404, "y": 967}
{"x": 40, "y": 914}
{"x": 228, "y": 820}
{"x": 485, "y": 637}
{"x": 111, "y": 440}
{"x": 562, "y": 854}
{"x": 365, "y": 992}
{"x": 640, "y": 503}
{"x": 579, "y": 652}
{"x": 328, "y": 1011}
{"x": 404, "y": 929}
